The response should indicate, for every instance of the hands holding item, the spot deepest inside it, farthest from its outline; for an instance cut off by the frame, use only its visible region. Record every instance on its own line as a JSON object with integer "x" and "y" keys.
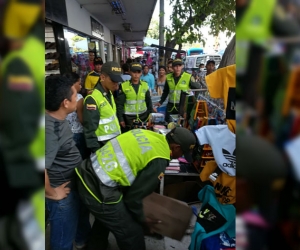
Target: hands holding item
{"x": 151, "y": 222}
{"x": 59, "y": 192}
{"x": 122, "y": 124}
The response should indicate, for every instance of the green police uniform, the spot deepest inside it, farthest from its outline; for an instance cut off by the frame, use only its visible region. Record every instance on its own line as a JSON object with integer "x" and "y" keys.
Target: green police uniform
{"x": 100, "y": 122}
{"x": 22, "y": 133}
{"x": 173, "y": 90}
{"x": 134, "y": 102}
{"x": 115, "y": 180}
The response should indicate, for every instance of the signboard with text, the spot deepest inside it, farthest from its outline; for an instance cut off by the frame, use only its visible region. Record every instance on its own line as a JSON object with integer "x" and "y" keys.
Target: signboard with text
{"x": 97, "y": 29}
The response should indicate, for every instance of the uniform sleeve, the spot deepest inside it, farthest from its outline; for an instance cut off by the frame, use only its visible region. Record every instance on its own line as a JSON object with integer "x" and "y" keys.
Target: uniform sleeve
{"x": 165, "y": 93}
{"x": 194, "y": 85}
{"x": 91, "y": 117}
{"x": 120, "y": 104}
{"x": 88, "y": 83}
{"x": 20, "y": 111}
{"x": 145, "y": 183}
{"x": 149, "y": 102}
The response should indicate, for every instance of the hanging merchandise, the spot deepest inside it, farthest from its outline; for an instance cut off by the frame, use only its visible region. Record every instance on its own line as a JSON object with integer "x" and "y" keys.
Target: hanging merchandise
{"x": 213, "y": 218}
{"x": 222, "y": 142}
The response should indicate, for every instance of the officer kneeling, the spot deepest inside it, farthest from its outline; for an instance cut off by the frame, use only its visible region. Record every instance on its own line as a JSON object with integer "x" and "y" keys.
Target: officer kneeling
{"x": 114, "y": 181}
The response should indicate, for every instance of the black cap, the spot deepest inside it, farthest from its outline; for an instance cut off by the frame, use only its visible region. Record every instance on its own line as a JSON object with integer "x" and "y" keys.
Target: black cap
{"x": 211, "y": 61}
{"x": 113, "y": 70}
{"x": 135, "y": 67}
{"x": 185, "y": 138}
{"x": 177, "y": 61}
{"x": 98, "y": 60}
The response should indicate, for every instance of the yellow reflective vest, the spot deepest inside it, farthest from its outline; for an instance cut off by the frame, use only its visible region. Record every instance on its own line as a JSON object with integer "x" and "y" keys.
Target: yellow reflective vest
{"x": 255, "y": 26}
{"x": 108, "y": 124}
{"x": 175, "y": 89}
{"x": 135, "y": 103}
{"x": 32, "y": 53}
{"x": 122, "y": 158}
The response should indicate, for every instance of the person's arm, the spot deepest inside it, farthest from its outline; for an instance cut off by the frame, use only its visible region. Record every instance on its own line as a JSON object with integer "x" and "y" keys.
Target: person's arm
{"x": 91, "y": 117}
{"x": 149, "y": 103}
{"x": 20, "y": 113}
{"x": 79, "y": 110}
{"x": 57, "y": 193}
{"x": 194, "y": 85}
{"x": 152, "y": 82}
{"x": 145, "y": 183}
{"x": 165, "y": 93}
{"x": 121, "y": 99}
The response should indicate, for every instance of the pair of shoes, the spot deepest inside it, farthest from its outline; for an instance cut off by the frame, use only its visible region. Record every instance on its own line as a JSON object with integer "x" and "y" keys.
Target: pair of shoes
{"x": 49, "y": 45}
{"x": 51, "y": 66}
{"x": 51, "y": 55}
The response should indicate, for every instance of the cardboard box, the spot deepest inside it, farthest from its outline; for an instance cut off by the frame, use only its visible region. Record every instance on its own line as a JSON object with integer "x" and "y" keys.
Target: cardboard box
{"x": 174, "y": 215}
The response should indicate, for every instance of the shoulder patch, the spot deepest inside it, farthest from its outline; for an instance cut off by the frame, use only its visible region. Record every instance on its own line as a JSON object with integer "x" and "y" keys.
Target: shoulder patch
{"x": 91, "y": 107}
{"x": 161, "y": 175}
{"x": 20, "y": 83}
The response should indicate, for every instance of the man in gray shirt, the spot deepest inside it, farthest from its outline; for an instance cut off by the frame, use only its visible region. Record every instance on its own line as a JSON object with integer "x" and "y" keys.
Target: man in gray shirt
{"x": 62, "y": 156}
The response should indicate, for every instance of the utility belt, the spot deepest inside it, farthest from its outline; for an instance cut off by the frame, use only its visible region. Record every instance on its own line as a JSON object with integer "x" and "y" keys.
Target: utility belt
{"x": 90, "y": 185}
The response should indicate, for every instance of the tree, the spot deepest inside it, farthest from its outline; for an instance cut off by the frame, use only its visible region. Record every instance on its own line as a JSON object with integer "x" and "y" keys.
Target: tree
{"x": 153, "y": 31}
{"x": 189, "y": 16}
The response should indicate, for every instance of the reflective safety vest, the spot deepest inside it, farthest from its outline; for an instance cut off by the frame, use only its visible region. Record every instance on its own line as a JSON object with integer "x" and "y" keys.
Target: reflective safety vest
{"x": 122, "y": 158}
{"x": 253, "y": 27}
{"x": 32, "y": 53}
{"x": 175, "y": 90}
{"x": 108, "y": 124}
{"x": 135, "y": 103}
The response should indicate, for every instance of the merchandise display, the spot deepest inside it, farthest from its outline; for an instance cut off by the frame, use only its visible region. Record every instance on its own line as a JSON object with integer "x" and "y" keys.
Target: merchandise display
{"x": 51, "y": 54}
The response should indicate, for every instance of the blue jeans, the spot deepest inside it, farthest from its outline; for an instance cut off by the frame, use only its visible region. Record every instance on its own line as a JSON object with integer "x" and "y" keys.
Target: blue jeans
{"x": 63, "y": 217}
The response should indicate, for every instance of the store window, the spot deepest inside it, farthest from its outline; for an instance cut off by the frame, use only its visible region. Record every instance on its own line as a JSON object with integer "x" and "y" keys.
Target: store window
{"x": 79, "y": 51}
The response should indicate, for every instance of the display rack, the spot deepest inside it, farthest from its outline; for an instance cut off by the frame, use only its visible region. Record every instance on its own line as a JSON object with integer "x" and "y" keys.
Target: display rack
{"x": 51, "y": 54}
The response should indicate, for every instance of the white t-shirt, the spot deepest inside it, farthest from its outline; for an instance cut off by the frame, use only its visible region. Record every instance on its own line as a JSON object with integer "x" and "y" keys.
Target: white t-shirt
{"x": 222, "y": 142}
{"x": 73, "y": 120}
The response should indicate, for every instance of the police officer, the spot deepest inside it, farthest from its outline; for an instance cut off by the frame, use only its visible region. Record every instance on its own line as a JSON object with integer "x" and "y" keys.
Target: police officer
{"x": 176, "y": 82}
{"x": 93, "y": 77}
{"x": 100, "y": 122}
{"x": 134, "y": 101}
{"x": 22, "y": 133}
{"x": 128, "y": 168}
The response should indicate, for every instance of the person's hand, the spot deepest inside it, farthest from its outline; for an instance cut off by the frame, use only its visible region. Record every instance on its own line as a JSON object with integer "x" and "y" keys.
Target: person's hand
{"x": 154, "y": 109}
{"x": 61, "y": 192}
{"x": 90, "y": 91}
{"x": 157, "y": 104}
{"x": 122, "y": 124}
{"x": 151, "y": 222}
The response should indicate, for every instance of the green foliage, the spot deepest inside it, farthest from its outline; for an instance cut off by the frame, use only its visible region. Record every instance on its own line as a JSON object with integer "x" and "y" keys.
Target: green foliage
{"x": 153, "y": 31}
{"x": 190, "y": 15}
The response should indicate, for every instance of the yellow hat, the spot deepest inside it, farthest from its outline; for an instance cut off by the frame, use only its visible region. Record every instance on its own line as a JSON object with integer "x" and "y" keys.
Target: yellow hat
{"x": 19, "y": 18}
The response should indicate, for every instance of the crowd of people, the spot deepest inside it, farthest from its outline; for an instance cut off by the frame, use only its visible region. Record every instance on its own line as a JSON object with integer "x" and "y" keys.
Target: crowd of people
{"x": 89, "y": 166}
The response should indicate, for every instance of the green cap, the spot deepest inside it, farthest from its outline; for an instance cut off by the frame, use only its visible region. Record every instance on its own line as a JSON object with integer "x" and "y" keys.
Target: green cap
{"x": 177, "y": 61}
{"x": 186, "y": 139}
{"x": 135, "y": 67}
{"x": 113, "y": 70}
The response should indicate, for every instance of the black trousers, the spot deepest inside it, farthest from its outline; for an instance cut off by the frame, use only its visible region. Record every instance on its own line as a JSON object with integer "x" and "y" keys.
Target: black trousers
{"x": 113, "y": 218}
{"x": 171, "y": 111}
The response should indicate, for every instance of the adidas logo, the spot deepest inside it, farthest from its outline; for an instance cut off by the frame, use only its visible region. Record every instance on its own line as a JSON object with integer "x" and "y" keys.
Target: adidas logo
{"x": 230, "y": 158}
